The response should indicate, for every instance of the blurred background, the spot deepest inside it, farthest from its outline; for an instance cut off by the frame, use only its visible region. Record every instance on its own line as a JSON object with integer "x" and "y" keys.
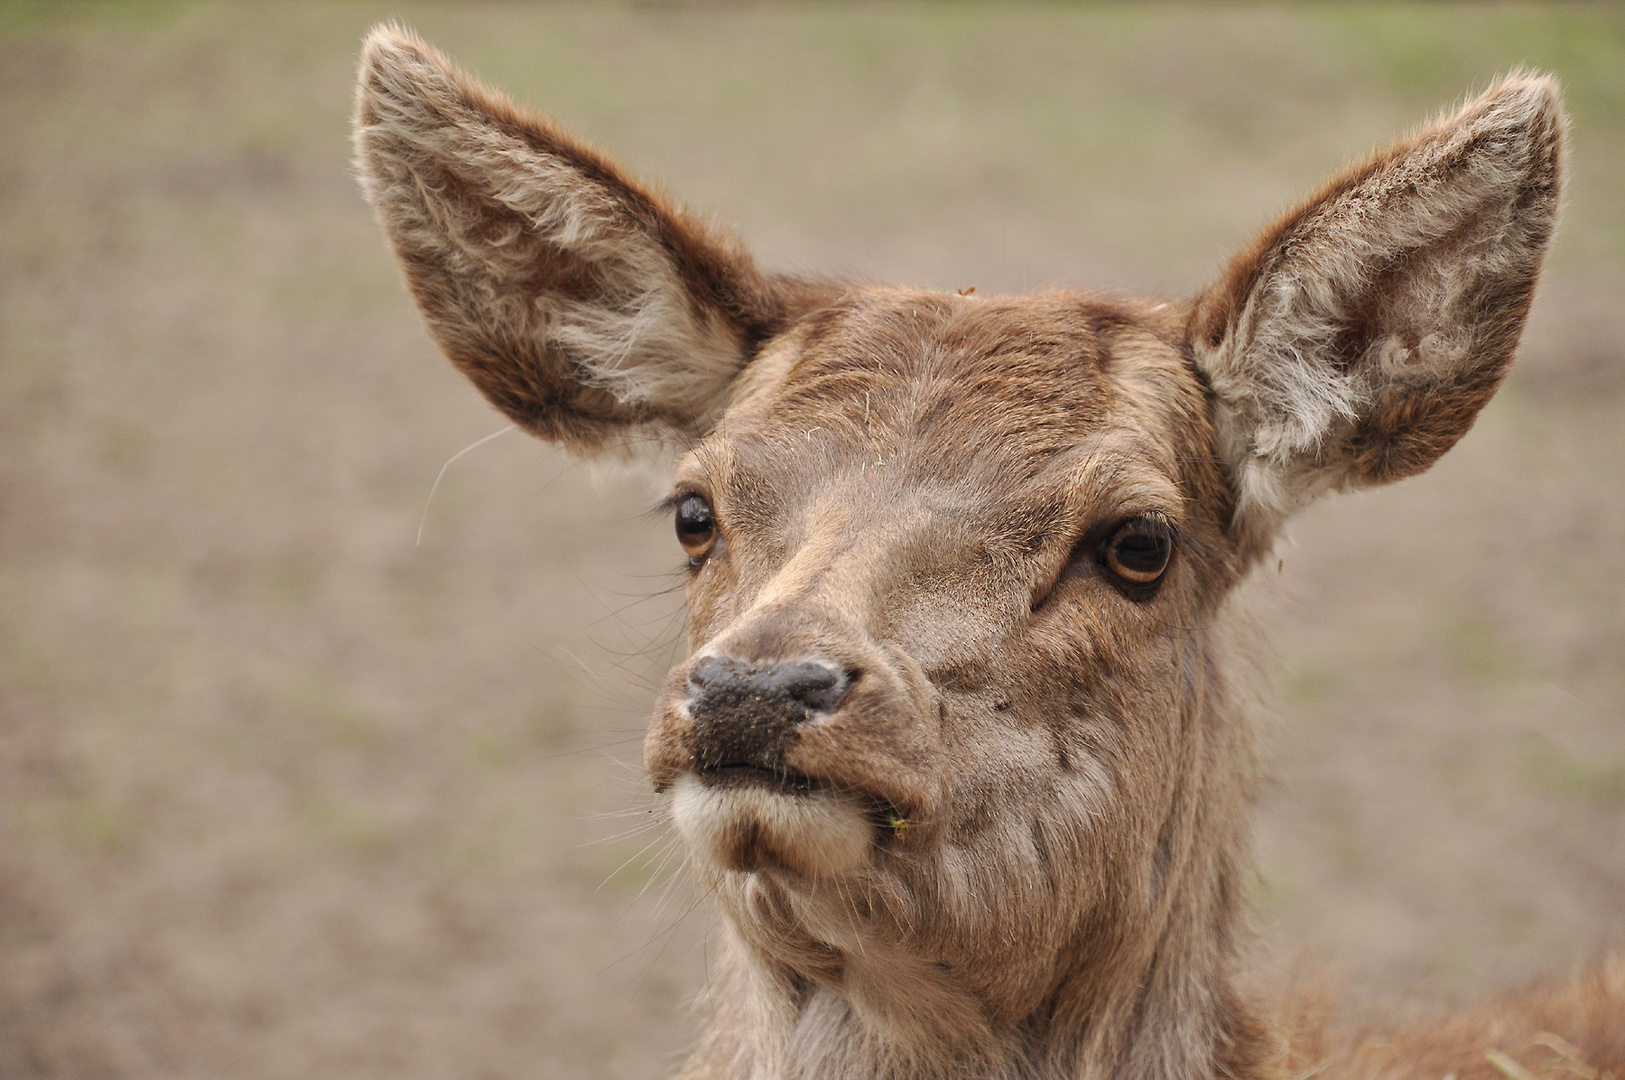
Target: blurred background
{"x": 286, "y": 793}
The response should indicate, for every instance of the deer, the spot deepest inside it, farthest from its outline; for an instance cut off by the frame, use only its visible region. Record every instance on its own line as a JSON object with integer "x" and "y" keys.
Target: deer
{"x": 962, "y": 748}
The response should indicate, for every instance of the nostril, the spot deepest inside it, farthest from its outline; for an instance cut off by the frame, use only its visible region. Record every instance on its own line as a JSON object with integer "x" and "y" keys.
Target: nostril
{"x": 815, "y": 686}
{"x": 746, "y": 714}
{"x": 819, "y": 688}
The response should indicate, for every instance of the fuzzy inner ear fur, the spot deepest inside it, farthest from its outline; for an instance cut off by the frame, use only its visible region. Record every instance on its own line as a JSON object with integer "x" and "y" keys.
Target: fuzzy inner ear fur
{"x": 1358, "y": 338}
{"x": 580, "y": 303}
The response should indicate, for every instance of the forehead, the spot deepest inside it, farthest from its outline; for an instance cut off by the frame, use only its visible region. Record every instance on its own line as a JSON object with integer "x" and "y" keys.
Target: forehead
{"x": 929, "y": 390}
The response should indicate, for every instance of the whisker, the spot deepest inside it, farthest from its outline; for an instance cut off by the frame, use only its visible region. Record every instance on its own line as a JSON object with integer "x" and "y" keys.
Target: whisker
{"x": 441, "y": 475}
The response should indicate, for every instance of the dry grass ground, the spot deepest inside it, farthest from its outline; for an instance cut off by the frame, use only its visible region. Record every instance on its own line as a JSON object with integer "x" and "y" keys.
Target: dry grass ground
{"x": 283, "y": 794}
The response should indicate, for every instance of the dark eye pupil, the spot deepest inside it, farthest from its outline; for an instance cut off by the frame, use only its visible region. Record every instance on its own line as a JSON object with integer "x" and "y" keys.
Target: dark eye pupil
{"x": 696, "y": 527}
{"x": 1139, "y": 554}
{"x": 1142, "y": 552}
{"x": 693, "y": 517}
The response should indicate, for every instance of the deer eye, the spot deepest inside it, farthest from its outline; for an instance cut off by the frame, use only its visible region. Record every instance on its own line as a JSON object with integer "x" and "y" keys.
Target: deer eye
{"x": 696, "y": 527}
{"x": 1139, "y": 552}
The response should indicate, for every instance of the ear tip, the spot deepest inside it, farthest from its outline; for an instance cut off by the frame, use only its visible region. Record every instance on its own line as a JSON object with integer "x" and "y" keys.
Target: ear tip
{"x": 391, "y": 42}
{"x": 394, "y": 59}
{"x": 1529, "y": 84}
{"x": 1533, "y": 90}
{"x": 1527, "y": 99}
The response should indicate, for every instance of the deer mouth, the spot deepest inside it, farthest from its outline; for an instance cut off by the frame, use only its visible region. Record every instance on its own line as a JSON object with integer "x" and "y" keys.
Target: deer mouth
{"x": 883, "y": 813}
{"x": 749, "y": 819}
{"x": 758, "y": 781}
{"x": 785, "y": 780}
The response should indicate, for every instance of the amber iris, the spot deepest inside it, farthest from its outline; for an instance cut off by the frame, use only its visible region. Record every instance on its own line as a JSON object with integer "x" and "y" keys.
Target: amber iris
{"x": 1139, "y": 552}
{"x": 696, "y": 527}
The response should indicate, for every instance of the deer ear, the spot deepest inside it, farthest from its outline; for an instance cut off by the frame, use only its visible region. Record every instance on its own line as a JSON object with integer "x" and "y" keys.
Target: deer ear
{"x": 580, "y": 303}
{"x": 1358, "y": 338}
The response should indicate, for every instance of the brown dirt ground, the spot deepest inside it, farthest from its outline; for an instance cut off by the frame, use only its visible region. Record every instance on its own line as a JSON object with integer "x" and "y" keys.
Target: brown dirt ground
{"x": 283, "y": 793}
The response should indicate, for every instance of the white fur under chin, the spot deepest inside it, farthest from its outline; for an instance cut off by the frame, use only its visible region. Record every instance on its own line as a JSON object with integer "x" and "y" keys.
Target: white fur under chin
{"x": 817, "y": 834}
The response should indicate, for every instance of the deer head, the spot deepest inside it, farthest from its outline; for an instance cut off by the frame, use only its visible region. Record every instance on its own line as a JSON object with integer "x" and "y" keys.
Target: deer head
{"x": 958, "y": 748}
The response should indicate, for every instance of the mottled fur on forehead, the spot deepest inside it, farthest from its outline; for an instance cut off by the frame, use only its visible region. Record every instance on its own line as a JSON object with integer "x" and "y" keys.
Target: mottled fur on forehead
{"x": 1026, "y": 421}
{"x": 1007, "y": 383}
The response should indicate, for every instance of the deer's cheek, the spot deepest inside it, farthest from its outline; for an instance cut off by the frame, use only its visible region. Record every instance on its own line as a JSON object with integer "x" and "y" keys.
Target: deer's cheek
{"x": 819, "y": 834}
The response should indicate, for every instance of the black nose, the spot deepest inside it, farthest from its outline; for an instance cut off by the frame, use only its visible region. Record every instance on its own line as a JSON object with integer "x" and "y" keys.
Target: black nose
{"x": 745, "y": 715}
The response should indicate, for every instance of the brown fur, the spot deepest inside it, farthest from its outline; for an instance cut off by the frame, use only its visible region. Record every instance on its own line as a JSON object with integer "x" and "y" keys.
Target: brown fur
{"x": 1016, "y": 846}
{"x": 578, "y": 301}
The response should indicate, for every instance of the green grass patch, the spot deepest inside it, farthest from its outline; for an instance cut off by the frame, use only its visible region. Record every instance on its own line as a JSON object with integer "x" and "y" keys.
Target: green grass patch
{"x": 1478, "y": 648}
{"x": 87, "y": 823}
{"x": 342, "y": 823}
{"x": 1553, "y": 770}
{"x": 1270, "y": 893}
{"x": 317, "y": 699}
{"x": 1304, "y": 684}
